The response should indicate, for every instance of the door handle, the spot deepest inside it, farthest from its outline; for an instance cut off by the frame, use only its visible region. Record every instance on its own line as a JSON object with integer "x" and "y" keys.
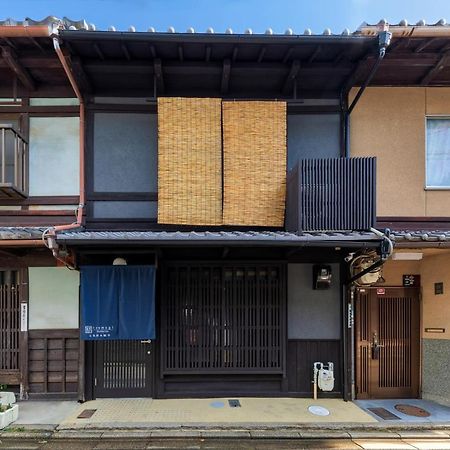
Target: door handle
{"x": 375, "y": 345}
{"x": 147, "y": 341}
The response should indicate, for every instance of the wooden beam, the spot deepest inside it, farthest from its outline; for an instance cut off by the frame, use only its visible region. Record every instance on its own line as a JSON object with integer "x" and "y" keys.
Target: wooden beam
{"x": 22, "y": 74}
{"x": 226, "y": 72}
{"x": 356, "y": 74}
{"x": 208, "y": 53}
{"x": 36, "y": 43}
{"x": 235, "y": 54}
{"x": 125, "y": 50}
{"x": 180, "y": 53}
{"x": 77, "y": 69}
{"x": 314, "y": 54}
{"x": 426, "y": 43}
{"x": 443, "y": 62}
{"x": 153, "y": 51}
{"x": 287, "y": 55}
{"x": 292, "y": 75}
{"x": 99, "y": 52}
{"x": 158, "y": 73}
{"x": 261, "y": 54}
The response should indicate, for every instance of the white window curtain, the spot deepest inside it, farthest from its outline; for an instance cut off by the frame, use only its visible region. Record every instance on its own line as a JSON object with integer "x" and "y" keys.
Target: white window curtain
{"x": 438, "y": 152}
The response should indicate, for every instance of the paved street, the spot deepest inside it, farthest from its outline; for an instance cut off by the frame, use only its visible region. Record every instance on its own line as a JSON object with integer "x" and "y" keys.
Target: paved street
{"x": 418, "y": 442}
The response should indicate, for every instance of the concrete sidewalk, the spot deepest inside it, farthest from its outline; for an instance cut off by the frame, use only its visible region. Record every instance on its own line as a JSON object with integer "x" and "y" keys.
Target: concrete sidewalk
{"x": 264, "y": 418}
{"x": 148, "y": 413}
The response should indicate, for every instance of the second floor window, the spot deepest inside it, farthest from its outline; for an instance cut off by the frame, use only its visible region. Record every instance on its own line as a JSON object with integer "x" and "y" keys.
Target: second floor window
{"x": 438, "y": 153}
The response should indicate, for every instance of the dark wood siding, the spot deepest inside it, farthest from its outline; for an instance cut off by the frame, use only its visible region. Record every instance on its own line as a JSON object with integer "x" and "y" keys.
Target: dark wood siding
{"x": 53, "y": 365}
{"x": 301, "y": 355}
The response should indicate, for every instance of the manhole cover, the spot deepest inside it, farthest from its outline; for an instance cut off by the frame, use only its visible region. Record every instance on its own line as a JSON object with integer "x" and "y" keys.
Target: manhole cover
{"x": 411, "y": 410}
{"x": 217, "y": 404}
{"x": 318, "y": 410}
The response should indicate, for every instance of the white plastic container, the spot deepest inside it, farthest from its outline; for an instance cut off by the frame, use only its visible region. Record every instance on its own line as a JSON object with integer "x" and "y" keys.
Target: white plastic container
{"x": 7, "y": 398}
{"x": 9, "y": 416}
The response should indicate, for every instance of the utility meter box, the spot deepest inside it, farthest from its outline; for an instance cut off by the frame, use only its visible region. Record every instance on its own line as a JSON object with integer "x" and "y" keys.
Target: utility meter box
{"x": 325, "y": 380}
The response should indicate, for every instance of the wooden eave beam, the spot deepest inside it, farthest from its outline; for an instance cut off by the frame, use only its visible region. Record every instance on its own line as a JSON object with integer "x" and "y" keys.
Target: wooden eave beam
{"x": 77, "y": 69}
{"x": 22, "y": 74}
{"x": 180, "y": 53}
{"x": 98, "y": 50}
{"x": 153, "y": 51}
{"x": 208, "y": 53}
{"x": 287, "y": 55}
{"x": 235, "y": 54}
{"x": 226, "y": 72}
{"x": 425, "y": 44}
{"x": 158, "y": 74}
{"x": 356, "y": 74}
{"x": 315, "y": 54}
{"x": 443, "y": 62}
{"x": 292, "y": 75}
{"x": 125, "y": 51}
{"x": 261, "y": 54}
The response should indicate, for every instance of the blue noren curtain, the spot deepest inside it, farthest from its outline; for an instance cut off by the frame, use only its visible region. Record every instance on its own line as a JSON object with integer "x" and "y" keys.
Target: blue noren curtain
{"x": 117, "y": 302}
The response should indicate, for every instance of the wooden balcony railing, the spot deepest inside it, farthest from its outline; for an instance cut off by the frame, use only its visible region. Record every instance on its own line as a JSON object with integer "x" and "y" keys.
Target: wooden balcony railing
{"x": 334, "y": 194}
{"x": 13, "y": 163}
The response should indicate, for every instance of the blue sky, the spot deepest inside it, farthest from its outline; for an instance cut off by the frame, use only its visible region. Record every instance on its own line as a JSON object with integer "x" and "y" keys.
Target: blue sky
{"x": 237, "y": 14}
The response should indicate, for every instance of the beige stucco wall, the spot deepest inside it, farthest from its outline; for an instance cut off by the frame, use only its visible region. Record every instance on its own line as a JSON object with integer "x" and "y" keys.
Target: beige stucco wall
{"x": 433, "y": 268}
{"x": 389, "y": 123}
{"x": 53, "y": 298}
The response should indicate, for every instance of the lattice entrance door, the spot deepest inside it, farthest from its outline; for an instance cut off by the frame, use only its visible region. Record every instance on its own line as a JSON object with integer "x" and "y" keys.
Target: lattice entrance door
{"x": 387, "y": 343}
{"x": 9, "y": 327}
{"x": 123, "y": 368}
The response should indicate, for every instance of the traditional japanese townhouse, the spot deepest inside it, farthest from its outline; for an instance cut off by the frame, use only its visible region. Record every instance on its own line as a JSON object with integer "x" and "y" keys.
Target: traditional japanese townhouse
{"x": 199, "y": 189}
{"x": 406, "y": 119}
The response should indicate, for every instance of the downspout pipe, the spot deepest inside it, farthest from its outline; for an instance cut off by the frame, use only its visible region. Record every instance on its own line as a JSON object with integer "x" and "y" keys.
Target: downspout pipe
{"x": 50, "y": 234}
{"x": 384, "y": 39}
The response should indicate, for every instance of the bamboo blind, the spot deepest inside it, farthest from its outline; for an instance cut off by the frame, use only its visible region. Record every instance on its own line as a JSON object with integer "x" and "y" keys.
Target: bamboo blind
{"x": 254, "y": 158}
{"x": 189, "y": 161}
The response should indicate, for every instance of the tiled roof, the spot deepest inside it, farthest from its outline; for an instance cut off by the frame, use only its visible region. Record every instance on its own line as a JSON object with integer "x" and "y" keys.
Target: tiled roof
{"x": 21, "y": 232}
{"x": 420, "y": 236}
{"x": 219, "y": 237}
{"x": 68, "y": 24}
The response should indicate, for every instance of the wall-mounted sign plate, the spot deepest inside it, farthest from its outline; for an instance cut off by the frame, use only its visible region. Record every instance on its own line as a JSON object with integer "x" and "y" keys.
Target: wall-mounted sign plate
{"x": 411, "y": 280}
{"x": 23, "y": 317}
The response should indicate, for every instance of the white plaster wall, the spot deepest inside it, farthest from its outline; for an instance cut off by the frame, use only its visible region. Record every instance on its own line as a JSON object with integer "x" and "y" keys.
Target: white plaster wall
{"x": 53, "y": 298}
{"x": 54, "y": 156}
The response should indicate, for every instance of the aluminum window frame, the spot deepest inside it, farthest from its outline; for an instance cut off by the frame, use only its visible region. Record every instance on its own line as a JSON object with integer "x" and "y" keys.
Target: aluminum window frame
{"x": 427, "y": 118}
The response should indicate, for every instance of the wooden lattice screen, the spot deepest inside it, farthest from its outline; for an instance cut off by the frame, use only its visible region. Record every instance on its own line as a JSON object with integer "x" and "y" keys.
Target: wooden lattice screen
{"x": 254, "y": 159}
{"x": 189, "y": 161}
{"x": 9, "y": 331}
{"x": 223, "y": 319}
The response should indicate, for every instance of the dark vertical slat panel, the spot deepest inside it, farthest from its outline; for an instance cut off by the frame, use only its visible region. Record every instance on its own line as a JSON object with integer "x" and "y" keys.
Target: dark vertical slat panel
{"x": 230, "y": 319}
{"x": 334, "y": 194}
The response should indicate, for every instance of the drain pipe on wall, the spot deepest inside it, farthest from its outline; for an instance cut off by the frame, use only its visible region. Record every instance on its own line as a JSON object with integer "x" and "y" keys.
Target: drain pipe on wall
{"x": 384, "y": 39}
{"x": 49, "y": 235}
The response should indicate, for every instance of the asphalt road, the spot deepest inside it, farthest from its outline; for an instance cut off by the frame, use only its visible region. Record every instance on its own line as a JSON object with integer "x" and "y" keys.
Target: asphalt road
{"x": 226, "y": 444}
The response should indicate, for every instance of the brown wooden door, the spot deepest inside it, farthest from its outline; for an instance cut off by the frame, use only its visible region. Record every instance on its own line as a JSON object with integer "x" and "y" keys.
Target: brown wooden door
{"x": 387, "y": 343}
